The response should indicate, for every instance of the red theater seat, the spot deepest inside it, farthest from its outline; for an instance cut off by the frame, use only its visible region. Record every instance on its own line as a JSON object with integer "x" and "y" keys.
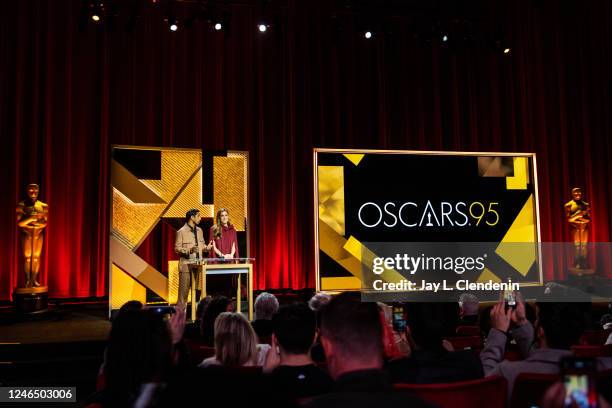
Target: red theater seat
{"x": 486, "y": 392}
{"x": 513, "y": 355}
{"x": 240, "y": 371}
{"x": 466, "y": 343}
{"x": 198, "y": 352}
{"x": 529, "y": 389}
{"x": 467, "y": 331}
{"x": 594, "y": 337}
{"x": 592, "y": 351}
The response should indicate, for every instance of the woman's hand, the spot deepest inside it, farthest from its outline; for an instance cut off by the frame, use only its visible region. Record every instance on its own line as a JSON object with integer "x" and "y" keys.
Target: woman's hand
{"x": 272, "y": 359}
{"x": 177, "y": 323}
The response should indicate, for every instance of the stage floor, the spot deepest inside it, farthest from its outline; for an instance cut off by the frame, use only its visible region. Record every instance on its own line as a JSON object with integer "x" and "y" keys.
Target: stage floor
{"x": 63, "y": 322}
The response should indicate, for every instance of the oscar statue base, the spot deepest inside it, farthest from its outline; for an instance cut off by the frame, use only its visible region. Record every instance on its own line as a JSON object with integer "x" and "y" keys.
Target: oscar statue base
{"x": 31, "y": 300}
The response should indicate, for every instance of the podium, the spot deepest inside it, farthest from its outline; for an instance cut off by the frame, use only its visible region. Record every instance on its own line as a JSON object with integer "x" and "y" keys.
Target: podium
{"x": 218, "y": 266}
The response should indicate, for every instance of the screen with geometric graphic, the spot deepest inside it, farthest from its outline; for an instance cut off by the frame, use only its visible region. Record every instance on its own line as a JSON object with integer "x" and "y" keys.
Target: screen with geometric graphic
{"x": 459, "y": 216}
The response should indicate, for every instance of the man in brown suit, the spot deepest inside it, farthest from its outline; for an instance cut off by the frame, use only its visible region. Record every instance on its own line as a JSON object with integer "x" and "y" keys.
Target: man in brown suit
{"x": 189, "y": 245}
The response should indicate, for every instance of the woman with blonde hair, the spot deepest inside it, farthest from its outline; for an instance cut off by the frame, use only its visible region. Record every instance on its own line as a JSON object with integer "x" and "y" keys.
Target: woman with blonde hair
{"x": 236, "y": 343}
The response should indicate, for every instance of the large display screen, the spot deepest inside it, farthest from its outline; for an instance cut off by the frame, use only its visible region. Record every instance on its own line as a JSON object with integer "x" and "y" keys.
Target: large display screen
{"x": 395, "y": 217}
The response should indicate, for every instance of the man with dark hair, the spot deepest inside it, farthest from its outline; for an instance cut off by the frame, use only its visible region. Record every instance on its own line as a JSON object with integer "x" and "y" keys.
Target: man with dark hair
{"x": 295, "y": 376}
{"x": 189, "y": 244}
{"x": 468, "y": 309}
{"x": 351, "y": 335}
{"x": 558, "y": 326}
{"x": 432, "y": 359}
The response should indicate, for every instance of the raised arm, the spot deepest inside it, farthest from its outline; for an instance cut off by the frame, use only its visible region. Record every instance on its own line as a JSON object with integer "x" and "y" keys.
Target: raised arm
{"x": 495, "y": 345}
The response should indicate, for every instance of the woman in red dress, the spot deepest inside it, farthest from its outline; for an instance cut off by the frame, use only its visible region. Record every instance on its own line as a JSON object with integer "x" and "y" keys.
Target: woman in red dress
{"x": 223, "y": 237}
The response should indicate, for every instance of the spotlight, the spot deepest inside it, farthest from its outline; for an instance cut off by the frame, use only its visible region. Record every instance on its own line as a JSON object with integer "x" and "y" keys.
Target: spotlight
{"x": 218, "y": 26}
{"x": 262, "y": 28}
{"x": 368, "y": 34}
{"x": 96, "y": 10}
{"x": 444, "y": 38}
{"x": 173, "y": 24}
{"x": 506, "y": 50}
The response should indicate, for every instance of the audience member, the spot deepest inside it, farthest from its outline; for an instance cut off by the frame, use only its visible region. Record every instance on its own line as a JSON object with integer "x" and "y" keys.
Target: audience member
{"x": 139, "y": 356}
{"x": 558, "y": 327}
{"x": 468, "y": 309}
{"x": 217, "y": 305}
{"x": 265, "y": 306}
{"x": 432, "y": 359}
{"x": 351, "y": 336}
{"x": 484, "y": 321}
{"x": 236, "y": 343}
{"x": 193, "y": 329}
{"x": 293, "y": 373}
{"x": 316, "y": 304}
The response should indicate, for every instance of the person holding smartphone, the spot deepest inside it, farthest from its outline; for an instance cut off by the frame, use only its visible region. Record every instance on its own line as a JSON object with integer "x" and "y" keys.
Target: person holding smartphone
{"x": 558, "y": 326}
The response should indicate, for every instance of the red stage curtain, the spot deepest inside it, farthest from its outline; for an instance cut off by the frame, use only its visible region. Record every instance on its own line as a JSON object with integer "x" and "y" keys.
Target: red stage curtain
{"x": 69, "y": 89}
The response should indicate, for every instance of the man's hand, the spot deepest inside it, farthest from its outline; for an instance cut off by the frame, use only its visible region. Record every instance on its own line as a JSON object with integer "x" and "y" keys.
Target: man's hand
{"x": 500, "y": 318}
{"x": 194, "y": 249}
{"x": 519, "y": 316}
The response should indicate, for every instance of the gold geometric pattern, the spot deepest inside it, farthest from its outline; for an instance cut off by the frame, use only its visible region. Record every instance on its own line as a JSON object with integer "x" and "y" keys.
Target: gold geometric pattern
{"x": 230, "y": 178}
{"x": 521, "y": 174}
{"x": 178, "y": 190}
{"x": 331, "y": 197}
{"x": 354, "y": 158}
{"x": 177, "y": 166}
{"x": 131, "y": 222}
{"x": 366, "y": 257}
{"x": 140, "y": 270}
{"x": 518, "y": 245}
{"x": 185, "y": 201}
{"x": 244, "y": 157}
{"x": 173, "y": 283}
{"x": 125, "y": 288}
{"x": 488, "y": 276}
{"x": 332, "y": 244}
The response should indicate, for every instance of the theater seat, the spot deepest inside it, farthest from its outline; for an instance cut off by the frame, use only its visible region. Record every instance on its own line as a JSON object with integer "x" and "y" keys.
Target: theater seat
{"x": 592, "y": 351}
{"x": 467, "y": 331}
{"x": 239, "y": 371}
{"x": 486, "y": 392}
{"x": 466, "y": 343}
{"x": 513, "y": 355}
{"x": 594, "y": 337}
{"x": 530, "y": 387}
{"x": 198, "y": 352}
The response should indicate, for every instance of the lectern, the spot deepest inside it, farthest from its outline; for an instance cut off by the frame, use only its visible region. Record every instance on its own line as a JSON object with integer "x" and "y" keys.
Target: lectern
{"x": 217, "y": 266}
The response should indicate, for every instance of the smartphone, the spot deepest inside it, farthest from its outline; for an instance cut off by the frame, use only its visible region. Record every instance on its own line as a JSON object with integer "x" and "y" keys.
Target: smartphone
{"x": 578, "y": 379}
{"x": 509, "y": 299}
{"x": 163, "y": 310}
{"x": 399, "y": 318}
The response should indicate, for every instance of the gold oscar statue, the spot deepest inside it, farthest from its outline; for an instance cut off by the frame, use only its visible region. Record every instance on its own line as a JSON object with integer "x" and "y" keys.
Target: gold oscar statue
{"x": 578, "y": 214}
{"x": 32, "y": 217}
